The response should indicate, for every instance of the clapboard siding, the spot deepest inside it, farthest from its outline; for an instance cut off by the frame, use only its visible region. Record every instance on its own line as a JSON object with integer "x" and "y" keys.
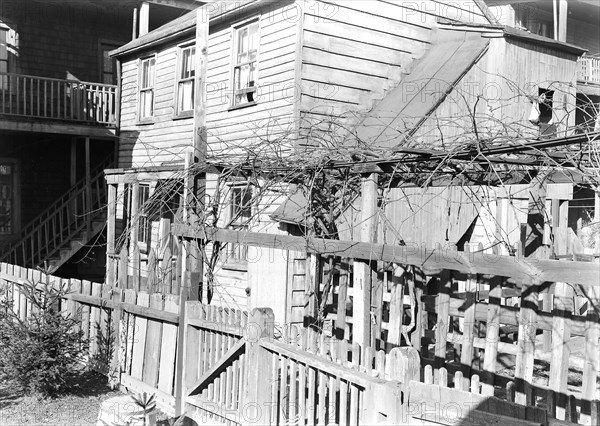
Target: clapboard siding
{"x": 353, "y": 52}
{"x": 166, "y": 138}
{"x": 500, "y": 88}
{"x": 272, "y": 115}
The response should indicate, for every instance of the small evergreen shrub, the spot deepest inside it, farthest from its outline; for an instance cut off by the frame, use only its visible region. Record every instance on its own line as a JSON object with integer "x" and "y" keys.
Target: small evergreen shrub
{"x": 42, "y": 353}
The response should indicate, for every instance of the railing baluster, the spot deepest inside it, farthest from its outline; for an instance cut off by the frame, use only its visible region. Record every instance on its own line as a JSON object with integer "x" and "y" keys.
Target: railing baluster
{"x": 72, "y": 92}
{"x": 31, "y": 96}
{"x": 52, "y": 99}
{"x": 17, "y": 95}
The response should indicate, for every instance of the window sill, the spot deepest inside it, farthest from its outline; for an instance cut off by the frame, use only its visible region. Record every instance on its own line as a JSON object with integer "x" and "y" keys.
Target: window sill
{"x": 145, "y": 122}
{"x": 183, "y": 115}
{"x": 240, "y": 265}
{"x": 241, "y": 106}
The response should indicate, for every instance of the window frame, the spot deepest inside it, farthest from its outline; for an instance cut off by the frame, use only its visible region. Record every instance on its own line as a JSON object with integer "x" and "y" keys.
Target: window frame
{"x": 178, "y": 81}
{"x": 237, "y": 254}
{"x": 150, "y": 118}
{"x": 144, "y": 225}
{"x": 234, "y": 64}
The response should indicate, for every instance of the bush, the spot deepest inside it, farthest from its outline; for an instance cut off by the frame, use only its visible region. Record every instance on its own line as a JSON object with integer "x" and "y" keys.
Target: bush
{"x": 41, "y": 353}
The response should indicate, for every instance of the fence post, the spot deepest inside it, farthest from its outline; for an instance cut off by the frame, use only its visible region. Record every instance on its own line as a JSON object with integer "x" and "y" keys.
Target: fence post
{"x": 256, "y": 407}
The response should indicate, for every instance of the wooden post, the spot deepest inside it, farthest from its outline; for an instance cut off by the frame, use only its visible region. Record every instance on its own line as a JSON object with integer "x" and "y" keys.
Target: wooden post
{"x": 562, "y": 20}
{"x": 526, "y": 343}
{"x": 590, "y": 408}
{"x": 534, "y": 235}
{"x": 311, "y": 288}
{"x": 256, "y": 408}
{"x": 361, "y": 303}
{"x": 561, "y": 334}
{"x": 396, "y": 306}
{"x": 181, "y": 350}
{"x": 466, "y": 352}
{"x": 180, "y": 392}
{"x": 200, "y": 132}
{"x": 340, "y": 321}
{"x": 492, "y": 337}
{"x": 442, "y": 308}
{"x": 88, "y": 186}
{"x": 111, "y": 218}
{"x": 144, "y": 21}
{"x": 133, "y": 234}
{"x": 73, "y": 173}
{"x": 119, "y": 69}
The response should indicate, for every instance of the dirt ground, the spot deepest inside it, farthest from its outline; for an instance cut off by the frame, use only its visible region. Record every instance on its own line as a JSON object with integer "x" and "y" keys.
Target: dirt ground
{"x": 78, "y": 406}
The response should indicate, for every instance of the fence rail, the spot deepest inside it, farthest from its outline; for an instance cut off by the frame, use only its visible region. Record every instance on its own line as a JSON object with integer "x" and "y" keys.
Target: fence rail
{"x": 51, "y": 98}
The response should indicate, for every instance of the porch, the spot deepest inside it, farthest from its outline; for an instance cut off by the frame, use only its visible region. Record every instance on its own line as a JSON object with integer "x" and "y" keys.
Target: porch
{"x": 49, "y": 105}
{"x": 588, "y": 74}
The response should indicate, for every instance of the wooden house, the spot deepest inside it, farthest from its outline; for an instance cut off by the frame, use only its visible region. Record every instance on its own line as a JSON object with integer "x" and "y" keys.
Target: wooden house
{"x": 59, "y": 104}
{"x": 575, "y": 22}
{"x": 221, "y": 79}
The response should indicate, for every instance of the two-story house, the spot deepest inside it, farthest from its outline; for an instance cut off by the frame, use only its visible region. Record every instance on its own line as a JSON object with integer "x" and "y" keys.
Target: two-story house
{"x": 59, "y": 108}
{"x": 228, "y": 77}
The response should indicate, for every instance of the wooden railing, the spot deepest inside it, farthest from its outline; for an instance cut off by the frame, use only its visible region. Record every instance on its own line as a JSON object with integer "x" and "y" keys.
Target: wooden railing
{"x": 52, "y": 98}
{"x": 588, "y": 69}
{"x": 58, "y": 224}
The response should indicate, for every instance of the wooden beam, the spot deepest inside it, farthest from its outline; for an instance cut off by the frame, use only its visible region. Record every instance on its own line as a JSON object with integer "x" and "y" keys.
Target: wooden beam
{"x": 585, "y": 273}
{"x": 361, "y": 300}
{"x": 61, "y": 128}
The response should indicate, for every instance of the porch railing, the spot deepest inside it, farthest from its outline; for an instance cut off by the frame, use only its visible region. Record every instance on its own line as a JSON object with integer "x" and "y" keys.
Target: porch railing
{"x": 58, "y": 224}
{"x": 589, "y": 69}
{"x": 52, "y": 98}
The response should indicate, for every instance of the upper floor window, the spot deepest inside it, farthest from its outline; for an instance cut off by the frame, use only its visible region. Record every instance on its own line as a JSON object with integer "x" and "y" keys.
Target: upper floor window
{"x": 147, "y": 72}
{"x": 245, "y": 63}
{"x": 186, "y": 74}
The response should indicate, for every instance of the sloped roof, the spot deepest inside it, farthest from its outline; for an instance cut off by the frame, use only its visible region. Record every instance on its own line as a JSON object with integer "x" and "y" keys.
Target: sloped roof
{"x": 421, "y": 92}
{"x": 183, "y": 25}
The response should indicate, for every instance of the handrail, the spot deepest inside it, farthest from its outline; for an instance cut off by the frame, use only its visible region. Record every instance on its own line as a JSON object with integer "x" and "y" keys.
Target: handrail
{"x": 59, "y": 223}
{"x": 58, "y": 79}
{"x": 99, "y": 169}
{"x": 61, "y": 99}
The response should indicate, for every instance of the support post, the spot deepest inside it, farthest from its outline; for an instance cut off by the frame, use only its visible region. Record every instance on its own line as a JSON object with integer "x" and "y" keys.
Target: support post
{"x": 257, "y": 397}
{"x": 563, "y": 15}
{"x": 536, "y": 216}
{"x": 88, "y": 186}
{"x": 361, "y": 306}
{"x": 134, "y": 31}
{"x": 526, "y": 343}
{"x": 144, "y": 18}
{"x": 133, "y": 236}
{"x": 111, "y": 219}
{"x": 561, "y": 334}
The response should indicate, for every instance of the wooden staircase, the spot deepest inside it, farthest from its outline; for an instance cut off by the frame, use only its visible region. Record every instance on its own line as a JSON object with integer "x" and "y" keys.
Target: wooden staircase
{"x": 58, "y": 233}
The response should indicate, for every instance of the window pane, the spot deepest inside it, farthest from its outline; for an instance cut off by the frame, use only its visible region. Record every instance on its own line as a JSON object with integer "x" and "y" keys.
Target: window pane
{"x": 242, "y": 40}
{"x": 186, "y": 96}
